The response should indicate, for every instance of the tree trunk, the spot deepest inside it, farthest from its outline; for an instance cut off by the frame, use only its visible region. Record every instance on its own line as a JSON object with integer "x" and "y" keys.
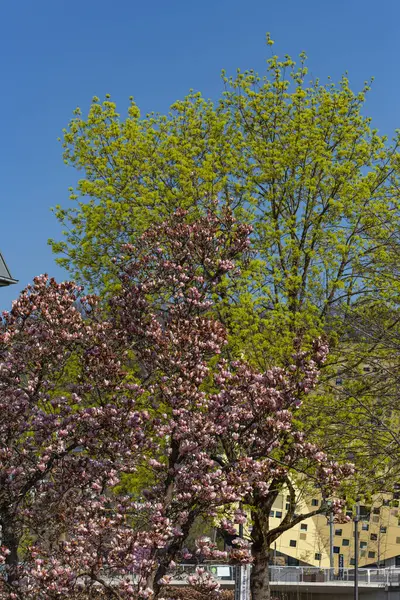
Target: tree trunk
{"x": 10, "y": 539}
{"x": 259, "y": 578}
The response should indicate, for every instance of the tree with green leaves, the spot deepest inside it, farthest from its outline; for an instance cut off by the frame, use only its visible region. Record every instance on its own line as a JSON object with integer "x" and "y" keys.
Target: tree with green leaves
{"x": 297, "y": 160}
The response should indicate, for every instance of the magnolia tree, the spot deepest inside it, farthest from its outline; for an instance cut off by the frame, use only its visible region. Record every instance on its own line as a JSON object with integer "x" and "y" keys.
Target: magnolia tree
{"x": 92, "y": 404}
{"x": 228, "y": 435}
{"x": 67, "y": 426}
{"x": 74, "y": 422}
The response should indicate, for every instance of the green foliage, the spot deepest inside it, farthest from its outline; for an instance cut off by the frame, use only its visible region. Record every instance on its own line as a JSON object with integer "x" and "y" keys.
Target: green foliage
{"x": 136, "y": 171}
{"x": 296, "y": 159}
{"x": 357, "y": 412}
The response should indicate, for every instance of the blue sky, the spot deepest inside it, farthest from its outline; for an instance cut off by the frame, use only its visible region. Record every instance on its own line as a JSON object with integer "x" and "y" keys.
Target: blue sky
{"x": 57, "y": 54}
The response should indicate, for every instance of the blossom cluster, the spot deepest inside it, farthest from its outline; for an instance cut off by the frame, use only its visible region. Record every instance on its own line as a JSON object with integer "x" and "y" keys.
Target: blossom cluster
{"x": 94, "y": 397}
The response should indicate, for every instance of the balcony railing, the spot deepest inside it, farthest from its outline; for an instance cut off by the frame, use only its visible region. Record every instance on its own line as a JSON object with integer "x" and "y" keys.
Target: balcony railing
{"x": 297, "y": 575}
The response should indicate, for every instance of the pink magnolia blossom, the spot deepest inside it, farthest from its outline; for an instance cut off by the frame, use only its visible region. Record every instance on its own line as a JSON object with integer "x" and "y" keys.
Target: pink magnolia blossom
{"x": 91, "y": 398}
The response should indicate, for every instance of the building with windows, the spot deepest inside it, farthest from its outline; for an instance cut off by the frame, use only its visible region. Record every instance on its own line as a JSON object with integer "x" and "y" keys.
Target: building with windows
{"x": 308, "y": 543}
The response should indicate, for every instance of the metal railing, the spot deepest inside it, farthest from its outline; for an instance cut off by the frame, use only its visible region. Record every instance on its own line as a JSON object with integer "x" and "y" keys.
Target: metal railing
{"x": 386, "y": 576}
{"x": 375, "y": 577}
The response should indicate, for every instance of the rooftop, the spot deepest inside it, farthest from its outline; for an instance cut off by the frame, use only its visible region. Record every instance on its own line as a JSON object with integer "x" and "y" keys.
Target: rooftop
{"x": 5, "y": 275}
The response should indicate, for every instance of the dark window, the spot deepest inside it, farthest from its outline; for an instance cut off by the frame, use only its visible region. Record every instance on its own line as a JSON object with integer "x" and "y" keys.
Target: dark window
{"x": 317, "y": 556}
{"x": 345, "y": 542}
{"x": 367, "y": 369}
{"x": 293, "y": 543}
{"x": 338, "y": 532}
{"x": 278, "y": 514}
{"x": 287, "y": 506}
{"x": 398, "y": 540}
{"x": 363, "y": 544}
{"x": 386, "y": 502}
{"x": 371, "y": 554}
{"x": 287, "y": 498}
{"x": 352, "y": 561}
{"x": 383, "y": 529}
{"x": 272, "y": 514}
{"x": 339, "y": 381}
{"x": 365, "y": 527}
{"x": 314, "y": 502}
{"x": 304, "y": 526}
{"x": 373, "y": 537}
{"x": 336, "y": 549}
{"x": 376, "y": 510}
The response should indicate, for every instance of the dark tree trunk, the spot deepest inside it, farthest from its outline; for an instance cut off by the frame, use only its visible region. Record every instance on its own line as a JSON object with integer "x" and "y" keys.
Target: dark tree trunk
{"x": 259, "y": 578}
{"x": 10, "y": 539}
{"x": 153, "y": 581}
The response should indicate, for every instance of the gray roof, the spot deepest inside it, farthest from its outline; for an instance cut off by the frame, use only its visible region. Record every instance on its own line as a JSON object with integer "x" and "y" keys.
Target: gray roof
{"x": 5, "y": 275}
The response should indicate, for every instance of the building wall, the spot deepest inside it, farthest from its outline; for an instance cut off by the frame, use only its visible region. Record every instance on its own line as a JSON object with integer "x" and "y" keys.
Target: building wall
{"x": 308, "y": 542}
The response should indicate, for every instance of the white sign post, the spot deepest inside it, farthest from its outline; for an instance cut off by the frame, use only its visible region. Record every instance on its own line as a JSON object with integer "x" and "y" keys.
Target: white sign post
{"x": 242, "y": 582}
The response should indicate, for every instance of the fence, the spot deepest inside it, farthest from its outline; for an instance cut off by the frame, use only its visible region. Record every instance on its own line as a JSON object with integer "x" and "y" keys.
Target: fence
{"x": 290, "y": 575}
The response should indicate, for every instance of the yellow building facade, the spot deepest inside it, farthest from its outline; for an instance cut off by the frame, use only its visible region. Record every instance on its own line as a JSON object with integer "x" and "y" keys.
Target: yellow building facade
{"x": 309, "y": 541}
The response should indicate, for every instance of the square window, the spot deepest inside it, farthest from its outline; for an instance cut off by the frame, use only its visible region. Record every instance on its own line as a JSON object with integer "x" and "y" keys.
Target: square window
{"x": 352, "y": 561}
{"x": 314, "y": 502}
{"x": 287, "y": 506}
{"x": 338, "y": 532}
{"x": 345, "y": 542}
{"x": 304, "y": 526}
{"x": 365, "y": 527}
{"x": 383, "y": 529}
{"x": 336, "y": 549}
{"x": 278, "y": 514}
{"x": 293, "y": 543}
{"x": 398, "y": 540}
{"x": 287, "y": 498}
{"x": 376, "y": 510}
{"x": 373, "y": 537}
{"x": 317, "y": 556}
{"x": 339, "y": 381}
{"x": 367, "y": 369}
{"x": 303, "y": 536}
{"x": 371, "y": 554}
{"x": 363, "y": 544}
{"x": 272, "y": 514}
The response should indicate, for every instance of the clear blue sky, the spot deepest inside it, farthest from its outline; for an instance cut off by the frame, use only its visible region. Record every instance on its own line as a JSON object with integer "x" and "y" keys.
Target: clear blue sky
{"x": 57, "y": 54}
